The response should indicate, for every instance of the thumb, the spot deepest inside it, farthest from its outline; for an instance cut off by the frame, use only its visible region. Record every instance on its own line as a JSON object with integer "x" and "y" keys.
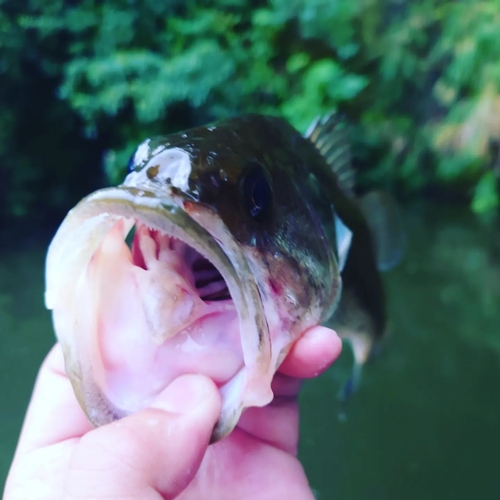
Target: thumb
{"x": 152, "y": 454}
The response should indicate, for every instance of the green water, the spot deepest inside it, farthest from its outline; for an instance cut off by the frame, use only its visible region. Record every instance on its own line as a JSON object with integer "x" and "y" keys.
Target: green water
{"x": 423, "y": 423}
{"x": 25, "y": 337}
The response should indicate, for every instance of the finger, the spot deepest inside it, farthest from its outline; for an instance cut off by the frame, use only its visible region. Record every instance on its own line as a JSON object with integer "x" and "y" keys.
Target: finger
{"x": 276, "y": 424}
{"x": 312, "y": 353}
{"x": 285, "y": 386}
{"x": 54, "y": 414}
{"x": 154, "y": 452}
{"x": 241, "y": 467}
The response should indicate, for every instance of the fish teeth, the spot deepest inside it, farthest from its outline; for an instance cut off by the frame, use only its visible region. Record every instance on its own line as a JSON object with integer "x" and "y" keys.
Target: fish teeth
{"x": 157, "y": 247}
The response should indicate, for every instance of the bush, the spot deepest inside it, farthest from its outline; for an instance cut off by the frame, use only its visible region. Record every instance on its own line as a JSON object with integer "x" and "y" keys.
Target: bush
{"x": 86, "y": 81}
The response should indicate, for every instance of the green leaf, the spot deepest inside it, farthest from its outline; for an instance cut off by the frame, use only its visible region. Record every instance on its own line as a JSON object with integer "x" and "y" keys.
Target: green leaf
{"x": 485, "y": 194}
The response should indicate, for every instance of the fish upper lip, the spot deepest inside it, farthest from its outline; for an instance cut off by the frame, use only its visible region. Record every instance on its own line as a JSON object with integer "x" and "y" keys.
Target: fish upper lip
{"x": 157, "y": 210}
{"x": 152, "y": 206}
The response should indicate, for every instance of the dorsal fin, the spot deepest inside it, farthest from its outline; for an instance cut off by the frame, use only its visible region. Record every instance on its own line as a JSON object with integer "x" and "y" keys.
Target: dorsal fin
{"x": 329, "y": 135}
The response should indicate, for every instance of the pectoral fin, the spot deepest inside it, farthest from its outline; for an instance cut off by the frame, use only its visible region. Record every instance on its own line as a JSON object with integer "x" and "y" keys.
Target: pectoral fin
{"x": 344, "y": 238}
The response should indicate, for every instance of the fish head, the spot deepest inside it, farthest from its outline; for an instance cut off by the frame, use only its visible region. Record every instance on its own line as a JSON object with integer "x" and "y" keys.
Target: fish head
{"x": 230, "y": 261}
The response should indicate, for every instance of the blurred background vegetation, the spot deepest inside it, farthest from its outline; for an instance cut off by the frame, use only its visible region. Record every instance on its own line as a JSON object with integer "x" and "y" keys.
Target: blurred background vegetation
{"x": 84, "y": 81}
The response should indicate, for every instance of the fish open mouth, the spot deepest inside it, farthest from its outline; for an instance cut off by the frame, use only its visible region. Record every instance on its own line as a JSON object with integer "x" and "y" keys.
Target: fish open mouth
{"x": 161, "y": 309}
{"x": 151, "y": 280}
{"x": 142, "y": 294}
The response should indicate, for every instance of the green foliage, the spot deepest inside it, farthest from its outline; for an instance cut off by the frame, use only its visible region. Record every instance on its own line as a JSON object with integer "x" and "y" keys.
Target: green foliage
{"x": 322, "y": 84}
{"x": 84, "y": 82}
{"x": 485, "y": 194}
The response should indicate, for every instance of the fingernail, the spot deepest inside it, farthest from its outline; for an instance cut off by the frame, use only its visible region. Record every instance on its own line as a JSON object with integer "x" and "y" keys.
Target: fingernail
{"x": 185, "y": 394}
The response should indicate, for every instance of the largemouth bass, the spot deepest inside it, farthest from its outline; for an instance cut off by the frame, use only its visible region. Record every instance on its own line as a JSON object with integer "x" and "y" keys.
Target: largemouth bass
{"x": 222, "y": 246}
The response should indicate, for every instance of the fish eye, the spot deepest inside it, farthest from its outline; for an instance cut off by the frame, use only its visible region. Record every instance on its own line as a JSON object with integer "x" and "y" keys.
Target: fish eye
{"x": 256, "y": 192}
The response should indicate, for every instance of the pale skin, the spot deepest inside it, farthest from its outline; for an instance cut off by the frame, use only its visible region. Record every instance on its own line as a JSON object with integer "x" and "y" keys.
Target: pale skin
{"x": 162, "y": 452}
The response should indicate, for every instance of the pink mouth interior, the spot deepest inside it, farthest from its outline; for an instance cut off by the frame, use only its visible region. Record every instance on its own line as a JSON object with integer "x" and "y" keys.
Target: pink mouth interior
{"x": 162, "y": 310}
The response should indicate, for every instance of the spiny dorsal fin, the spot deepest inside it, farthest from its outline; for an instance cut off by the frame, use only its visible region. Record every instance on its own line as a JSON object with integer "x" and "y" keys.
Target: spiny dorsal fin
{"x": 329, "y": 135}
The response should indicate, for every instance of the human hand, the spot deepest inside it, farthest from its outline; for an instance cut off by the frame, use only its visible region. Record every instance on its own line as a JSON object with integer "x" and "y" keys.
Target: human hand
{"x": 162, "y": 452}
